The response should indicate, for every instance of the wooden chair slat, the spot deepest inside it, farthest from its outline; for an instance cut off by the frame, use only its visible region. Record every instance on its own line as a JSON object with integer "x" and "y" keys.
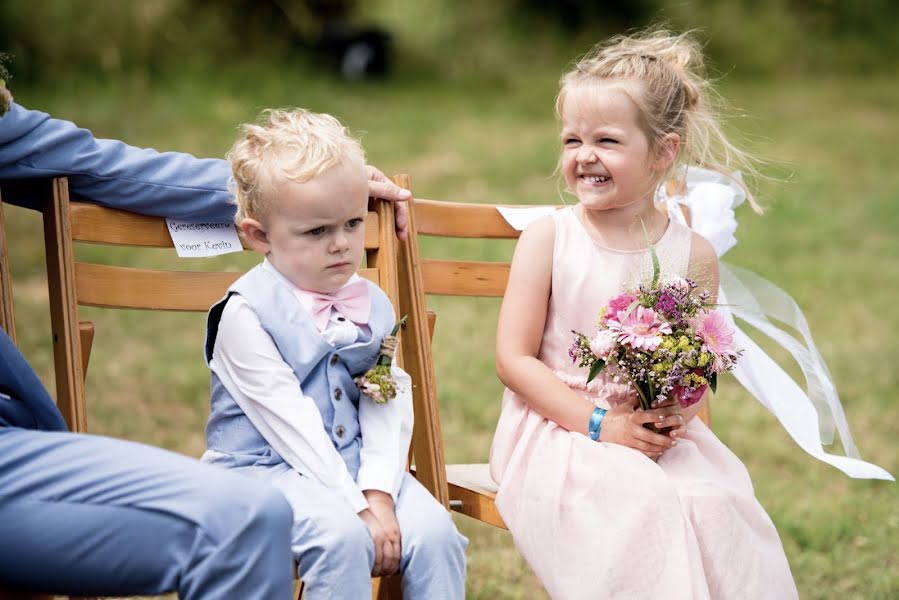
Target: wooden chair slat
{"x": 67, "y": 351}
{"x": 427, "y": 438}
{"x": 112, "y": 286}
{"x": 126, "y": 287}
{"x": 464, "y": 278}
{"x": 463, "y": 220}
{"x": 100, "y": 225}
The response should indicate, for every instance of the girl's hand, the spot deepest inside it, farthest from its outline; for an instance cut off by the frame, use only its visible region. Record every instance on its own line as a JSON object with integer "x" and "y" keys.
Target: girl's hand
{"x": 623, "y": 425}
{"x": 380, "y": 505}
{"x": 670, "y": 419}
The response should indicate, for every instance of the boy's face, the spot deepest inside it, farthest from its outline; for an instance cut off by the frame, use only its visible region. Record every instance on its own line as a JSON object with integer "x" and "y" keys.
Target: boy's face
{"x": 313, "y": 232}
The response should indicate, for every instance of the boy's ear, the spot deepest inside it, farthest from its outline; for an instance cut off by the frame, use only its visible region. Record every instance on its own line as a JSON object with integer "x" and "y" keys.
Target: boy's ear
{"x": 255, "y": 234}
{"x": 667, "y": 152}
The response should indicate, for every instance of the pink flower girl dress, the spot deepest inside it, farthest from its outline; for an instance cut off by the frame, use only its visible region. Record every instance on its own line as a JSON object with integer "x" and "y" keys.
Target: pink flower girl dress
{"x": 600, "y": 520}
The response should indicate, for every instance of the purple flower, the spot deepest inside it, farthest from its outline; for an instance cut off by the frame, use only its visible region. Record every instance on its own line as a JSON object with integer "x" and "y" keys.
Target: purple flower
{"x": 667, "y": 305}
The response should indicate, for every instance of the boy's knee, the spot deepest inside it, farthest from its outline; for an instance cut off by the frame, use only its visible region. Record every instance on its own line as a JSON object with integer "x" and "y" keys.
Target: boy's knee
{"x": 435, "y": 534}
{"x": 346, "y": 538}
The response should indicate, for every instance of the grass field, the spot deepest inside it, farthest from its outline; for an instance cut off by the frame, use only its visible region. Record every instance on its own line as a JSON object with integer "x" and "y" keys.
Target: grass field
{"x": 829, "y": 238}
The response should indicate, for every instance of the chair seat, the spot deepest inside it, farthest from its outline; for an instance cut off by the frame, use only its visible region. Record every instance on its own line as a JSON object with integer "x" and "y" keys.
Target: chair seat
{"x": 472, "y": 492}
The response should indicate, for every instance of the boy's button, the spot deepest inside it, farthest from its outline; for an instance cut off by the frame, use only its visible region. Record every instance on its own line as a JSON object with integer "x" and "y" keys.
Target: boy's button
{"x": 338, "y": 394}
{"x": 341, "y": 319}
{"x": 340, "y": 431}
{"x": 334, "y": 360}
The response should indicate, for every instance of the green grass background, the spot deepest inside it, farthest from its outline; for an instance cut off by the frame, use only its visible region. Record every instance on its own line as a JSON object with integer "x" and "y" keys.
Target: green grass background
{"x": 829, "y": 238}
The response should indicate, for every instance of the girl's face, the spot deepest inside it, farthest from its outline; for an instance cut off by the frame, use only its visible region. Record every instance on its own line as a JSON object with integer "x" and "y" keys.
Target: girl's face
{"x": 606, "y": 158}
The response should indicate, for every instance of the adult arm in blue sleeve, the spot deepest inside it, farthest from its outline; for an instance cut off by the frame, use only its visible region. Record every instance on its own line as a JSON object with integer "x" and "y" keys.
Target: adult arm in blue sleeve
{"x": 110, "y": 172}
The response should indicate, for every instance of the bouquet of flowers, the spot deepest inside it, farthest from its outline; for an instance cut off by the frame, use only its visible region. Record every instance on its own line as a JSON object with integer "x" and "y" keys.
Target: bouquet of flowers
{"x": 664, "y": 338}
{"x": 378, "y": 383}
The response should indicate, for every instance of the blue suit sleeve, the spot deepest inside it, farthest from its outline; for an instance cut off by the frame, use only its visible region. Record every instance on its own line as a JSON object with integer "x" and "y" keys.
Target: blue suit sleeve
{"x": 112, "y": 173}
{"x": 24, "y": 401}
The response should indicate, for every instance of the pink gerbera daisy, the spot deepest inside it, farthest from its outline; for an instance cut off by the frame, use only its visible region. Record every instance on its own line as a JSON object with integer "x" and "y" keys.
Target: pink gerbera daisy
{"x": 642, "y": 328}
{"x": 617, "y": 304}
{"x": 716, "y": 335}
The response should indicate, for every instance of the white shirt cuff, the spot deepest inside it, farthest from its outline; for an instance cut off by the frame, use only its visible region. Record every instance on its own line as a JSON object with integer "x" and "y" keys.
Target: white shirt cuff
{"x": 353, "y": 494}
{"x": 380, "y": 474}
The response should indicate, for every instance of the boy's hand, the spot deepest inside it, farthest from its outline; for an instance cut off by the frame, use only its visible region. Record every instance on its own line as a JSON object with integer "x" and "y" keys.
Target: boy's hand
{"x": 379, "y": 186}
{"x": 380, "y": 504}
{"x": 378, "y": 538}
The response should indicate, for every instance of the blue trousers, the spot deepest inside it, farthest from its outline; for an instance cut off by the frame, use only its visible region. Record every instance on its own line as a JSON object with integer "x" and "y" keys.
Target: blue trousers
{"x": 87, "y": 515}
{"x": 335, "y": 551}
{"x": 93, "y": 516}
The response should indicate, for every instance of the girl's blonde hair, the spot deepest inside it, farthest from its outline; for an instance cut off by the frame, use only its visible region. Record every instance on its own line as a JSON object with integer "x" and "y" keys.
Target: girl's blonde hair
{"x": 664, "y": 75}
{"x": 286, "y": 144}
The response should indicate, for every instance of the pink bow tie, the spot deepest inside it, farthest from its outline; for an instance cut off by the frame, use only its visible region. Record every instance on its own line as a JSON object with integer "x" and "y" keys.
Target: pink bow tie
{"x": 352, "y": 301}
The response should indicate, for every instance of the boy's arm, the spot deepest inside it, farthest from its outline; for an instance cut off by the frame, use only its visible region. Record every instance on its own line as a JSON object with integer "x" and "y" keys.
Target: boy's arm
{"x": 265, "y": 387}
{"x": 110, "y": 172}
{"x": 386, "y": 434}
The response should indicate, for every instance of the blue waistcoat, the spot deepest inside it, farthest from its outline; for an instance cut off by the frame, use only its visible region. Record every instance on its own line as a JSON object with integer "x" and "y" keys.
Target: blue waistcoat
{"x": 325, "y": 372}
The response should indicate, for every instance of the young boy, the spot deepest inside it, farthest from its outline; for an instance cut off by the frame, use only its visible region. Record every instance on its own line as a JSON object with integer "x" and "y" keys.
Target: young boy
{"x": 284, "y": 346}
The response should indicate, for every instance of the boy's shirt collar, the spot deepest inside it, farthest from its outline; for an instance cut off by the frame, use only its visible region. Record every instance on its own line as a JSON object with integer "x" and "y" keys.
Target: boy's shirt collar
{"x": 352, "y": 300}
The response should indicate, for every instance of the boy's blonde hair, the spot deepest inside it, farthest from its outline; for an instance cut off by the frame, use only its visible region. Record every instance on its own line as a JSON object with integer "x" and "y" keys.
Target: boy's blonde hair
{"x": 664, "y": 75}
{"x": 286, "y": 144}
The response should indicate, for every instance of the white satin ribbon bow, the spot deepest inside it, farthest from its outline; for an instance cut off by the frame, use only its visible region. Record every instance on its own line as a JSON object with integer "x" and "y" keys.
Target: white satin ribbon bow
{"x": 809, "y": 416}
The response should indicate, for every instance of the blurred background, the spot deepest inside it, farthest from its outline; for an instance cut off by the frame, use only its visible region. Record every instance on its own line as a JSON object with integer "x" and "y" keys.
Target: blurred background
{"x": 460, "y": 95}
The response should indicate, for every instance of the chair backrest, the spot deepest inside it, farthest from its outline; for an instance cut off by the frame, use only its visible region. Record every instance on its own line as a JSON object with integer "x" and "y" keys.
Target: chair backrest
{"x": 73, "y": 283}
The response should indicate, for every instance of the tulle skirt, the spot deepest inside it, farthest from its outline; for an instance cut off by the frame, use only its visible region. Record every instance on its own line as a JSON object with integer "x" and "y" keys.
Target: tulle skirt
{"x": 597, "y": 520}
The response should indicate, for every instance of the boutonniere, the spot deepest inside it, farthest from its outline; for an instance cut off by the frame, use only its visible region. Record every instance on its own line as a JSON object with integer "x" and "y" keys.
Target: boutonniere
{"x": 378, "y": 382}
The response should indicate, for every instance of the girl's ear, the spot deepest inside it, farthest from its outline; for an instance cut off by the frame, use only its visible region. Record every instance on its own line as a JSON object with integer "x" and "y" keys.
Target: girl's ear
{"x": 668, "y": 149}
{"x": 255, "y": 234}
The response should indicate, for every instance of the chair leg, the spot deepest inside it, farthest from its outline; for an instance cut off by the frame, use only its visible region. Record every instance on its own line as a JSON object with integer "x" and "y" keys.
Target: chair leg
{"x": 387, "y": 588}
{"x": 7, "y": 315}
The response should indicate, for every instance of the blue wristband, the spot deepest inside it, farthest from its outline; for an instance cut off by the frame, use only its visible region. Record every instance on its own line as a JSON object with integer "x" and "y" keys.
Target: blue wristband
{"x": 596, "y": 423}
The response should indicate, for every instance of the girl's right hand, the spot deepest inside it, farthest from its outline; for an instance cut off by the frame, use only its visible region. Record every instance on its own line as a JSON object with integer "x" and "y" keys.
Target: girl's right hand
{"x": 623, "y": 425}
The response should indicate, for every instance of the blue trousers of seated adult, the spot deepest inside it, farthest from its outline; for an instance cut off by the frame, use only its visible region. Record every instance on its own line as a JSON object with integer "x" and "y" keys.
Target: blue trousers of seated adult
{"x": 88, "y": 515}
{"x": 334, "y": 548}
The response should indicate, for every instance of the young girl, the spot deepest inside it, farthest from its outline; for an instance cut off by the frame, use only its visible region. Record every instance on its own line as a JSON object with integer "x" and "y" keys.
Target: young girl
{"x": 284, "y": 347}
{"x": 637, "y": 514}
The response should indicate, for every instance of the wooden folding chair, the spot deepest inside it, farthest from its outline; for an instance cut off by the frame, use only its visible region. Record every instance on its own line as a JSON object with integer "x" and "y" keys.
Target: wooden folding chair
{"x": 73, "y": 283}
{"x": 469, "y": 489}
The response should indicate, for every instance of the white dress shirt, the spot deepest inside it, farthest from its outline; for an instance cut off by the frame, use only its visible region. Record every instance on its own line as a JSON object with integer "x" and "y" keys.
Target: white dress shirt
{"x": 266, "y": 389}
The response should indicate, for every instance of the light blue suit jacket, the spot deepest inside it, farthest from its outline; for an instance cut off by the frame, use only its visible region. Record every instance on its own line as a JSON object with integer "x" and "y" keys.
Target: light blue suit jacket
{"x": 112, "y": 173}
{"x": 109, "y": 172}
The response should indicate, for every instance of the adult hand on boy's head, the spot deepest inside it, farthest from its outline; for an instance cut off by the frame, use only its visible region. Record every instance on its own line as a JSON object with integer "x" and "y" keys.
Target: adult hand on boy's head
{"x": 379, "y": 186}
{"x": 380, "y": 504}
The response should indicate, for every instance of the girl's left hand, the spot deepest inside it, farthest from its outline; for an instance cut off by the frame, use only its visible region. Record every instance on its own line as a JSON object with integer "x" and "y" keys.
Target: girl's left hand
{"x": 670, "y": 419}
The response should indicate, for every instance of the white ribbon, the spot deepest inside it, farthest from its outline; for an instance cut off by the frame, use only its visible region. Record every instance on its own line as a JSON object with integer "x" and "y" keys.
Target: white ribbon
{"x": 810, "y": 416}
